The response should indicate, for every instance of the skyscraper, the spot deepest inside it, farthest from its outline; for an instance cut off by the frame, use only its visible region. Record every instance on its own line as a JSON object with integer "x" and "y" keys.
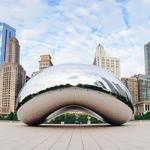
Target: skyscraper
{"x": 6, "y": 33}
{"x": 45, "y": 61}
{"x": 147, "y": 58}
{"x": 12, "y": 78}
{"x": 139, "y": 87}
{"x": 144, "y": 87}
{"x": 108, "y": 63}
{"x": 13, "y": 51}
{"x": 143, "y": 105}
{"x": 132, "y": 84}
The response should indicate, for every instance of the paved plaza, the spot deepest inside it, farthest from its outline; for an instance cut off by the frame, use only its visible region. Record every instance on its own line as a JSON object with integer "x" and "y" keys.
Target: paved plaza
{"x": 131, "y": 136}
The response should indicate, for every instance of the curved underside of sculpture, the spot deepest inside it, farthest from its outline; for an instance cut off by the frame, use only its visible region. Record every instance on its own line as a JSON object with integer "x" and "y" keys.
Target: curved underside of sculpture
{"x": 90, "y": 88}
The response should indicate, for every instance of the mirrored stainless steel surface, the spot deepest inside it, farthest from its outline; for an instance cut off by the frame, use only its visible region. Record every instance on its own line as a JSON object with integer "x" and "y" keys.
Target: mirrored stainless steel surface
{"x": 82, "y": 85}
{"x": 74, "y": 74}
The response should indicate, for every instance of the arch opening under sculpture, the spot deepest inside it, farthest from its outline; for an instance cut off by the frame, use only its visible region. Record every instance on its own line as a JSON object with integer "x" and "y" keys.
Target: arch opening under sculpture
{"x": 73, "y": 109}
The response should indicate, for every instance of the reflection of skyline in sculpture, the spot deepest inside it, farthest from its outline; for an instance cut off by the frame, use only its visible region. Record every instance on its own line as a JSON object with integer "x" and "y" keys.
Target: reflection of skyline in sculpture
{"x": 75, "y": 84}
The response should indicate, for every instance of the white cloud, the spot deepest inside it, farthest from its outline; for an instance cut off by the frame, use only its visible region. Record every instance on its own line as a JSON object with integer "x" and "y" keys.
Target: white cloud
{"x": 70, "y": 30}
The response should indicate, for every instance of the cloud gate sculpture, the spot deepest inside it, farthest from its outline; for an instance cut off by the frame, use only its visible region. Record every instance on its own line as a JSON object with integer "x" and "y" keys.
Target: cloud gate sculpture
{"x": 74, "y": 86}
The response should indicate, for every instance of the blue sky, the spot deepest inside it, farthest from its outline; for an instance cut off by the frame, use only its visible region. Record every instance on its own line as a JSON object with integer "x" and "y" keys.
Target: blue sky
{"x": 70, "y": 30}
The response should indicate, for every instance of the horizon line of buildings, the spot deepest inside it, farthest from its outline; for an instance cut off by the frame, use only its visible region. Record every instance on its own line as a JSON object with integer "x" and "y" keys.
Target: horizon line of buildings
{"x": 13, "y": 76}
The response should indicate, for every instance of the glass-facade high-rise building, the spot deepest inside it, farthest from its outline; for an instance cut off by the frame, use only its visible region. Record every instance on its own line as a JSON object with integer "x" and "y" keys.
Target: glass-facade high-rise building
{"x": 6, "y": 33}
{"x": 147, "y": 58}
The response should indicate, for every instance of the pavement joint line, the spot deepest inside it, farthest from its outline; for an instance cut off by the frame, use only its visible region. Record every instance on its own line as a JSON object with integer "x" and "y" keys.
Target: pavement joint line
{"x": 95, "y": 141}
{"x": 70, "y": 140}
{"x": 15, "y": 139}
{"x": 13, "y": 148}
{"x": 133, "y": 136}
{"x": 62, "y": 134}
{"x": 82, "y": 140}
{"x": 40, "y": 143}
{"x": 108, "y": 139}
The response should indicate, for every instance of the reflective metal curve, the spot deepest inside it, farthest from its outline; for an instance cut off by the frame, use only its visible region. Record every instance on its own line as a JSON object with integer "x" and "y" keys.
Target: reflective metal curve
{"x": 73, "y": 84}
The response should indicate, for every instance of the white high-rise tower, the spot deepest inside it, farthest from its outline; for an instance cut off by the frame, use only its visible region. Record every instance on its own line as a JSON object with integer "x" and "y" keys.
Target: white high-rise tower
{"x": 108, "y": 63}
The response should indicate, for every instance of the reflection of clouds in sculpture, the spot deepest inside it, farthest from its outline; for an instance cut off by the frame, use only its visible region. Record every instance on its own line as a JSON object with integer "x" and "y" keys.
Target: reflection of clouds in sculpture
{"x": 74, "y": 84}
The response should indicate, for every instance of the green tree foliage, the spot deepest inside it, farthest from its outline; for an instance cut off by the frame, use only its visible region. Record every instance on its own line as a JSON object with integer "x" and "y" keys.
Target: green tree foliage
{"x": 70, "y": 118}
{"x": 73, "y": 118}
{"x": 95, "y": 121}
{"x": 59, "y": 119}
{"x": 12, "y": 116}
{"x": 142, "y": 117}
{"x": 83, "y": 119}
